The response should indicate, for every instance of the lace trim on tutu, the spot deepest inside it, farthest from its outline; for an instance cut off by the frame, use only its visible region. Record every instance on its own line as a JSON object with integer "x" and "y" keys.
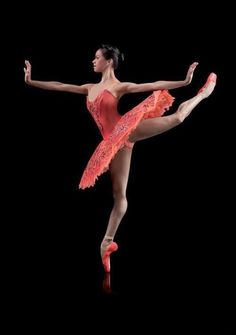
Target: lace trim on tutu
{"x": 153, "y": 106}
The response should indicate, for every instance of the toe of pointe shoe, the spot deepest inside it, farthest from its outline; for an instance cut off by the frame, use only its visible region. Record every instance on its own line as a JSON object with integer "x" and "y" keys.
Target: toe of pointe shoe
{"x": 105, "y": 259}
{"x": 211, "y": 79}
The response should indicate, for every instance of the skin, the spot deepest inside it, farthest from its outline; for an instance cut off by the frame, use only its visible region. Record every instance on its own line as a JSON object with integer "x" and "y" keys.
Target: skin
{"x": 120, "y": 165}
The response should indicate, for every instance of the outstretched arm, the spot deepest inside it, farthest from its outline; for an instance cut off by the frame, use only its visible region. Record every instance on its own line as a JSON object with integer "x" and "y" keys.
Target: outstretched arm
{"x": 53, "y": 85}
{"x": 159, "y": 85}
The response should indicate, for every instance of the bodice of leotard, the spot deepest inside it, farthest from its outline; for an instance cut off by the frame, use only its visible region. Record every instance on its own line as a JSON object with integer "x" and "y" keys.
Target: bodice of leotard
{"x": 104, "y": 111}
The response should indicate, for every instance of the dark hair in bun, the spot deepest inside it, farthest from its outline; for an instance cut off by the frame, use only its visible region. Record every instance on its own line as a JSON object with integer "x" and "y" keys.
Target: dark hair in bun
{"x": 112, "y": 52}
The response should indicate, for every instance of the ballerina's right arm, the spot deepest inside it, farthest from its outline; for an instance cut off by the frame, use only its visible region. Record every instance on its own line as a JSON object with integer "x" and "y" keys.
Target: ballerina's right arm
{"x": 54, "y": 85}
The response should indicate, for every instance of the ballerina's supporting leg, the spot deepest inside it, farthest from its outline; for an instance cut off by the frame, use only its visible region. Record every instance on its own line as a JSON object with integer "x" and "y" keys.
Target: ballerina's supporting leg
{"x": 119, "y": 169}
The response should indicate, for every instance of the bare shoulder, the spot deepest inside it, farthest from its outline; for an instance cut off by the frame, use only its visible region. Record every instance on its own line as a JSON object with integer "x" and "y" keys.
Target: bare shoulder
{"x": 121, "y": 88}
{"x": 130, "y": 87}
{"x": 86, "y": 87}
{"x": 126, "y": 87}
{"x": 79, "y": 89}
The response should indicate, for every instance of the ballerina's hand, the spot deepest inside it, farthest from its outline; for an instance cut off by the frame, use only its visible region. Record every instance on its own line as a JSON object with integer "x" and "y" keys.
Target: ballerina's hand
{"x": 190, "y": 72}
{"x": 27, "y": 70}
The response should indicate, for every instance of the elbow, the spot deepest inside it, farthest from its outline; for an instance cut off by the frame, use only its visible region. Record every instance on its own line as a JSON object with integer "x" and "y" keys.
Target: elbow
{"x": 60, "y": 86}
{"x": 186, "y": 82}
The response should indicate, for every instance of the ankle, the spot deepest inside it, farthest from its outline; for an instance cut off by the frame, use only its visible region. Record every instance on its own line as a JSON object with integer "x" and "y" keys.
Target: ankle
{"x": 107, "y": 238}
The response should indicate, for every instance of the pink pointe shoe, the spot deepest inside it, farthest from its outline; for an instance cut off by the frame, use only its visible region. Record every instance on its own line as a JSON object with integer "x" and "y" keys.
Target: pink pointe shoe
{"x": 106, "y": 256}
{"x": 211, "y": 79}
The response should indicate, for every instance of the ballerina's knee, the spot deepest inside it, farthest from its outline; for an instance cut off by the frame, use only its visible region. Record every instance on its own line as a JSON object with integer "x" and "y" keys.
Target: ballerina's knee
{"x": 120, "y": 203}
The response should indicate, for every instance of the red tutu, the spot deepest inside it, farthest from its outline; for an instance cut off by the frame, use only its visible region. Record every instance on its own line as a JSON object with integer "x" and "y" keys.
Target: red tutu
{"x": 154, "y": 105}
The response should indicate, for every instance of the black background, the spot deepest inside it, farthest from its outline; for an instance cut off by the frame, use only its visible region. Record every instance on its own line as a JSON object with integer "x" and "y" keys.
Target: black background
{"x": 176, "y": 240}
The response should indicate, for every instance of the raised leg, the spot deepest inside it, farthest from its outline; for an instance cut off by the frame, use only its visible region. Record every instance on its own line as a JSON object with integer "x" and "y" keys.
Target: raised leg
{"x": 152, "y": 127}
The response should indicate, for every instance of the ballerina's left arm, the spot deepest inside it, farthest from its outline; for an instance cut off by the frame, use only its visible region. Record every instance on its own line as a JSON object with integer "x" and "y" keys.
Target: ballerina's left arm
{"x": 127, "y": 87}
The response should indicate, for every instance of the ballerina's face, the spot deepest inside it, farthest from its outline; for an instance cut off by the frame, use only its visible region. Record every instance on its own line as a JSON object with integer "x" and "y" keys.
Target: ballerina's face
{"x": 100, "y": 64}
